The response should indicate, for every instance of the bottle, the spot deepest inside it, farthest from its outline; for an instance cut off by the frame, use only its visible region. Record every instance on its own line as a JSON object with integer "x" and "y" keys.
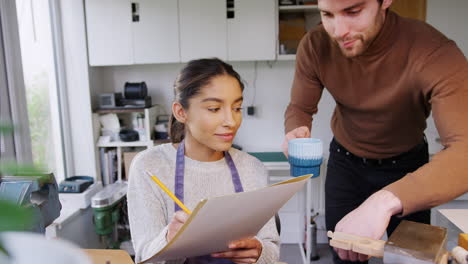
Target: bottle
{"x": 313, "y": 239}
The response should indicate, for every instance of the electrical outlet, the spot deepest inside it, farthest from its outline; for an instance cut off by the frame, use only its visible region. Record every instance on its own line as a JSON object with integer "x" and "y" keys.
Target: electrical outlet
{"x": 250, "y": 110}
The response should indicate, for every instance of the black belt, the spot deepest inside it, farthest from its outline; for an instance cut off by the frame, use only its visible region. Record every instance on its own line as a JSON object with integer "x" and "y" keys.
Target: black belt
{"x": 391, "y": 160}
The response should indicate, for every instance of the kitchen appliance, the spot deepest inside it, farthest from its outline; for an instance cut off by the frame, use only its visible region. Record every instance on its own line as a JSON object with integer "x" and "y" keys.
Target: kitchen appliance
{"x": 128, "y": 135}
{"x": 75, "y": 184}
{"x": 136, "y": 95}
{"x": 39, "y": 193}
{"x": 110, "y": 100}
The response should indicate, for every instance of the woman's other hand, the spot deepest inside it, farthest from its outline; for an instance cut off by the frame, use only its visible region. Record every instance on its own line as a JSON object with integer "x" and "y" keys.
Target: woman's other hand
{"x": 242, "y": 251}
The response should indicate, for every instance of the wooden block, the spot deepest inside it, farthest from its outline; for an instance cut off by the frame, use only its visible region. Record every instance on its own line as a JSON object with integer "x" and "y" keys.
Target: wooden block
{"x": 363, "y": 245}
{"x": 444, "y": 258}
{"x": 413, "y": 242}
{"x": 370, "y": 247}
{"x": 336, "y": 243}
{"x": 463, "y": 241}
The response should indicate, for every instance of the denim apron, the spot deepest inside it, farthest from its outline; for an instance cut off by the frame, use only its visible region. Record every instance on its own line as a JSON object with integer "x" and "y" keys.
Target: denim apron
{"x": 179, "y": 193}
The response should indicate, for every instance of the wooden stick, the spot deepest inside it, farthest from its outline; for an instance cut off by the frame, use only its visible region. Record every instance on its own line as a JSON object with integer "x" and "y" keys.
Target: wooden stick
{"x": 358, "y": 244}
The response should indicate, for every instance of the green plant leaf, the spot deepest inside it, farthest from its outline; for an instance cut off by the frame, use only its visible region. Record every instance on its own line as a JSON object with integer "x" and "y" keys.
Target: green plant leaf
{"x": 6, "y": 128}
{"x": 13, "y": 169}
{"x": 14, "y": 217}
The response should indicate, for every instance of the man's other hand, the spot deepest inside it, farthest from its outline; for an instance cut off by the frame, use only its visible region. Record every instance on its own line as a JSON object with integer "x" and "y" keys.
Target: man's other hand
{"x": 370, "y": 219}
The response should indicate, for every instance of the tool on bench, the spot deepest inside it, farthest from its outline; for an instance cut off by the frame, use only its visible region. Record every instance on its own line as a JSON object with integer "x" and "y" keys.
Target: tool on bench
{"x": 411, "y": 242}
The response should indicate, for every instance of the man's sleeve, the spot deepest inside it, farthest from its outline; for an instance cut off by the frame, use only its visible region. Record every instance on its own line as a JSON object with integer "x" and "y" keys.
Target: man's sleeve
{"x": 306, "y": 89}
{"x": 445, "y": 177}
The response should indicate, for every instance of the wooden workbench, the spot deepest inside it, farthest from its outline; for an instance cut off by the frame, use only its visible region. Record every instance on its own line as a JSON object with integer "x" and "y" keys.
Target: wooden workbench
{"x": 109, "y": 256}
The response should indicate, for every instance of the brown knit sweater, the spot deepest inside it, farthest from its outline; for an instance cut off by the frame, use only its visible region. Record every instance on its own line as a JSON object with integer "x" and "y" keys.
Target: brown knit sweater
{"x": 383, "y": 98}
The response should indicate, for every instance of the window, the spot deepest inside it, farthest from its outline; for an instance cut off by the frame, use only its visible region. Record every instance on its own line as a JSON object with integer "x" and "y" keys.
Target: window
{"x": 42, "y": 96}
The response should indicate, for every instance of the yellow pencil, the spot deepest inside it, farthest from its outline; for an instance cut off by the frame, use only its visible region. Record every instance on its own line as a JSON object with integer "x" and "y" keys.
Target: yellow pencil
{"x": 160, "y": 184}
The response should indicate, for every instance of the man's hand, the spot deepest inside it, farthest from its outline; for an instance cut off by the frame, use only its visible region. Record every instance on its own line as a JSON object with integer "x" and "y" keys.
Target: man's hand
{"x": 180, "y": 217}
{"x": 370, "y": 219}
{"x": 300, "y": 132}
{"x": 242, "y": 251}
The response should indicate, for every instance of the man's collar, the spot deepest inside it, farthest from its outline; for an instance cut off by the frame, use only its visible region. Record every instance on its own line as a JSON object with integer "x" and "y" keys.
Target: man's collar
{"x": 385, "y": 38}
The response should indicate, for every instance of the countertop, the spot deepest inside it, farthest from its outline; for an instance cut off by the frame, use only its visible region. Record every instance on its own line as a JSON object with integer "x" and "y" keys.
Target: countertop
{"x": 458, "y": 217}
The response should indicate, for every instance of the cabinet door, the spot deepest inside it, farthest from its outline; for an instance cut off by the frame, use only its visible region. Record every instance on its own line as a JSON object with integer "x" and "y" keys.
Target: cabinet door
{"x": 108, "y": 24}
{"x": 156, "y": 33}
{"x": 251, "y": 33}
{"x": 410, "y": 8}
{"x": 202, "y": 29}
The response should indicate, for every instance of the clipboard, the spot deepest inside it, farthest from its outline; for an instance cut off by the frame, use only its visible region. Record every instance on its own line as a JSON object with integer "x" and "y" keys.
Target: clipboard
{"x": 217, "y": 221}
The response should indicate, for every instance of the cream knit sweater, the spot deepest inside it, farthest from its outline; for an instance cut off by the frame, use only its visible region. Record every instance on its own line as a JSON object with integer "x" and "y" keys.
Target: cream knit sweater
{"x": 150, "y": 209}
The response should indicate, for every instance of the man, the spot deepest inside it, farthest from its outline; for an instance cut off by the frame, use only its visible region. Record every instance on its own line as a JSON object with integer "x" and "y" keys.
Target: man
{"x": 386, "y": 73}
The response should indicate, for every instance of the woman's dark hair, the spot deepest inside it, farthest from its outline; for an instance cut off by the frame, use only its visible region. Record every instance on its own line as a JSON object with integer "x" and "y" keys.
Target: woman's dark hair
{"x": 194, "y": 76}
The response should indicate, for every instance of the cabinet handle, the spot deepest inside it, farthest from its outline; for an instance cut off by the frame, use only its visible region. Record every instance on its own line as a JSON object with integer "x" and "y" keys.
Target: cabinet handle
{"x": 135, "y": 12}
{"x": 230, "y": 14}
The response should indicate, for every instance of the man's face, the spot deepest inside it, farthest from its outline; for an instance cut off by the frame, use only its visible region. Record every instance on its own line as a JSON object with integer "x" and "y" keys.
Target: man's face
{"x": 352, "y": 24}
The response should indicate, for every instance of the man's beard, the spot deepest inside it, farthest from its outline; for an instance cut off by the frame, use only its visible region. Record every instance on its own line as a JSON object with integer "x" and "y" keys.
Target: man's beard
{"x": 362, "y": 40}
{"x": 360, "y": 45}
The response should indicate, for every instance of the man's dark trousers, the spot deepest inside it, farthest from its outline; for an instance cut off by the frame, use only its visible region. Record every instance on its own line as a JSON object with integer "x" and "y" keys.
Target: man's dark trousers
{"x": 351, "y": 180}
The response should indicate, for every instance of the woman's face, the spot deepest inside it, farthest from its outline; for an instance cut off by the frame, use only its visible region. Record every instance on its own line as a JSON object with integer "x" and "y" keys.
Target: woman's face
{"x": 214, "y": 115}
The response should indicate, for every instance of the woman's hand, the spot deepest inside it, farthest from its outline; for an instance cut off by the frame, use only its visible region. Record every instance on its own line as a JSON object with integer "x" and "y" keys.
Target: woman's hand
{"x": 242, "y": 251}
{"x": 176, "y": 223}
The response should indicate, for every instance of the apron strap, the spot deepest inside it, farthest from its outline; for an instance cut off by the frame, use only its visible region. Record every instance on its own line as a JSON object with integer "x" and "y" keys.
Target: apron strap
{"x": 179, "y": 174}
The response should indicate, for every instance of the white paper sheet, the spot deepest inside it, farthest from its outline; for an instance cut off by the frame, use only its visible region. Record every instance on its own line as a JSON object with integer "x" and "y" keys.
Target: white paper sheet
{"x": 217, "y": 221}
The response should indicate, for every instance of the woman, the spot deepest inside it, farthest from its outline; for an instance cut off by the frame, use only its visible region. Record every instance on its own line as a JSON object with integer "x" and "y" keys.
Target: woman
{"x": 206, "y": 116}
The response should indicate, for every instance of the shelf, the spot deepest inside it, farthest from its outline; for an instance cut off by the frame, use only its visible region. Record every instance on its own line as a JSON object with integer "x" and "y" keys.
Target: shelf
{"x": 295, "y": 8}
{"x": 114, "y": 144}
{"x": 286, "y": 57}
{"x": 120, "y": 110}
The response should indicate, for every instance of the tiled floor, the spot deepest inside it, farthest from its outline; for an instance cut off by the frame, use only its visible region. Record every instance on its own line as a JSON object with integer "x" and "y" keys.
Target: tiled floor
{"x": 290, "y": 254}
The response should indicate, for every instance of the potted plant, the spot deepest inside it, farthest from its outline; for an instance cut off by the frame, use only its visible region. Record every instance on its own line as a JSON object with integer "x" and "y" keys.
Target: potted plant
{"x": 25, "y": 247}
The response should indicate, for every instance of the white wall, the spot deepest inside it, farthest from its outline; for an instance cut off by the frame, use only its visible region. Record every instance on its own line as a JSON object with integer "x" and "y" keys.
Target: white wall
{"x": 264, "y": 131}
{"x": 261, "y": 132}
{"x": 451, "y": 18}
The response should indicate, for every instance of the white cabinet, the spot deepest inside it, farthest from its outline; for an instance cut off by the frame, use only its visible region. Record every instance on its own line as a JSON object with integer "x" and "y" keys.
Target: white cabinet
{"x": 206, "y": 30}
{"x": 251, "y": 34}
{"x": 124, "y": 32}
{"x": 109, "y": 32}
{"x": 203, "y": 25}
{"x": 156, "y": 35}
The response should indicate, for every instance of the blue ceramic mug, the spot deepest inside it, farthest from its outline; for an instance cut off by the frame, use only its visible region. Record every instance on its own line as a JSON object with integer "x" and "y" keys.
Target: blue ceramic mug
{"x": 305, "y": 156}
